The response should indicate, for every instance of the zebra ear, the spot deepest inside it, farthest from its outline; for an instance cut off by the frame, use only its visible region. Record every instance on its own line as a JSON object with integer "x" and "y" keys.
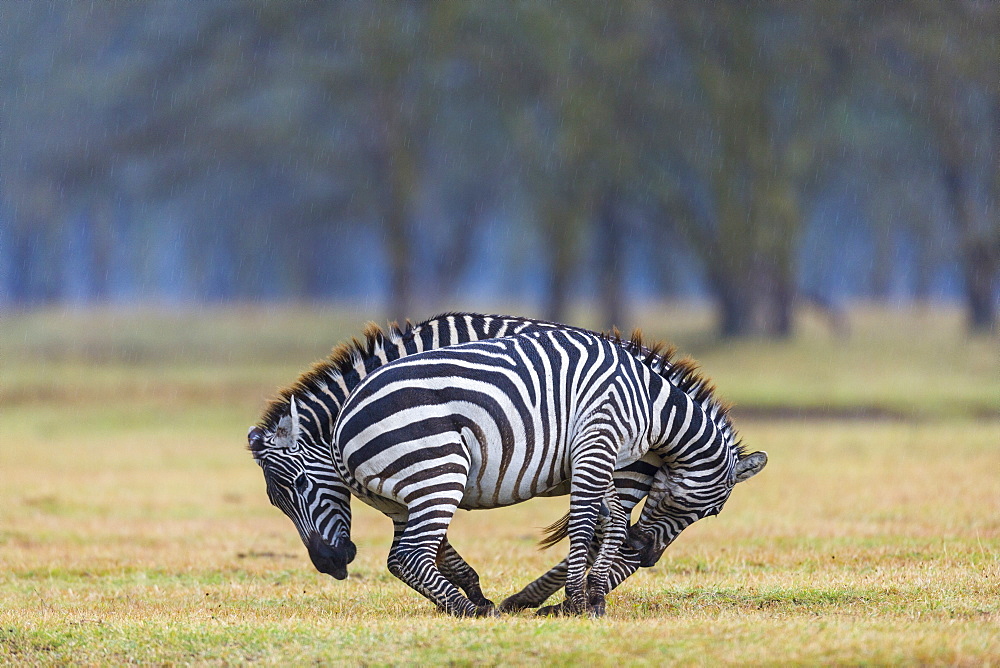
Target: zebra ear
{"x": 749, "y": 466}
{"x": 287, "y": 432}
{"x": 293, "y": 446}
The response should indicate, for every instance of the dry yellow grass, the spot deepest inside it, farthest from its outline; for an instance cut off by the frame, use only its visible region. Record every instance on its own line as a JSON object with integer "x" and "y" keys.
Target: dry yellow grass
{"x": 134, "y": 528}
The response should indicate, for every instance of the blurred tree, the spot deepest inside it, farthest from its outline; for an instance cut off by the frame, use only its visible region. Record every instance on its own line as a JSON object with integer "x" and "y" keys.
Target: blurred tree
{"x": 397, "y": 95}
{"x": 535, "y": 58}
{"x": 574, "y": 83}
{"x": 946, "y": 74}
{"x": 745, "y": 220}
{"x": 389, "y": 78}
{"x": 627, "y": 75}
{"x": 228, "y": 150}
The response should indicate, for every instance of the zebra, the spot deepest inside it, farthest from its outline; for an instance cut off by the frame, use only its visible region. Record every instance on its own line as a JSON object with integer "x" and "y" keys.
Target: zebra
{"x": 492, "y": 423}
{"x": 298, "y": 469}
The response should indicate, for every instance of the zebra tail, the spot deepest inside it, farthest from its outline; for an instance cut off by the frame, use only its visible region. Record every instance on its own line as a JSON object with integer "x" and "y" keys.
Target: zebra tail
{"x": 554, "y": 532}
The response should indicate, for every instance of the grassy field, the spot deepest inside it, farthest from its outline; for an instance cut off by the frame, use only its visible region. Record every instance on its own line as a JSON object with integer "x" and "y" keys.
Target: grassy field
{"x": 134, "y": 525}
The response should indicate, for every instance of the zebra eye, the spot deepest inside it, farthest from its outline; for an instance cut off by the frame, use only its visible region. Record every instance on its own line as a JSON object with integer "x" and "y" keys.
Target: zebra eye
{"x": 301, "y": 483}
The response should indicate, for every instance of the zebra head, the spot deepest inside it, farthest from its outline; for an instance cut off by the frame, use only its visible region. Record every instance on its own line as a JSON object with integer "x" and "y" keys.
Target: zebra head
{"x": 677, "y": 500}
{"x": 302, "y": 482}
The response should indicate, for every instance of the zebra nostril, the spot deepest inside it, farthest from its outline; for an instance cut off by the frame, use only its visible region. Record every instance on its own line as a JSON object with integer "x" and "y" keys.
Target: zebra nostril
{"x": 301, "y": 483}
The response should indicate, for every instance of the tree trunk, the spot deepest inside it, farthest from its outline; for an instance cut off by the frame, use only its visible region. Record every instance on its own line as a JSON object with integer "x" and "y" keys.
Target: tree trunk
{"x": 457, "y": 251}
{"x": 400, "y": 266}
{"x": 980, "y": 254}
{"x": 981, "y": 273}
{"x": 758, "y": 304}
{"x": 611, "y": 290}
{"x": 883, "y": 262}
{"x": 558, "y": 229}
{"x": 399, "y": 172}
{"x": 102, "y": 248}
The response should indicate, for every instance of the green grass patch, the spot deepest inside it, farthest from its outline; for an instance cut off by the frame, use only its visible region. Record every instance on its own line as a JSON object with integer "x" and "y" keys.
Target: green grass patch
{"x": 134, "y": 527}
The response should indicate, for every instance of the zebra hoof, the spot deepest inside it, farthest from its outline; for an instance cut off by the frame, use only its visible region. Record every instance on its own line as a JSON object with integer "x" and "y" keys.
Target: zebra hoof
{"x": 464, "y": 608}
{"x": 469, "y": 609}
{"x": 596, "y": 608}
{"x": 483, "y": 602}
{"x": 513, "y": 604}
{"x": 486, "y": 611}
{"x": 564, "y": 609}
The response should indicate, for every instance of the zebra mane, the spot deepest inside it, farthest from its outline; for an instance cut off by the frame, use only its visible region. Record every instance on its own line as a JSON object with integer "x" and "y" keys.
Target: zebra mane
{"x": 684, "y": 374}
{"x": 344, "y": 358}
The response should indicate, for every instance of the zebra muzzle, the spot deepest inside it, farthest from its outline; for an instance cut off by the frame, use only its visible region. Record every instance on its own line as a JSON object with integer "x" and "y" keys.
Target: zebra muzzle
{"x": 331, "y": 559}
{"x": 645, "y": 544}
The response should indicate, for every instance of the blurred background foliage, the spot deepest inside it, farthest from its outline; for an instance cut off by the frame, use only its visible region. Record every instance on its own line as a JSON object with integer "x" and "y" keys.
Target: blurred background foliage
{"x": 413, "y": 156}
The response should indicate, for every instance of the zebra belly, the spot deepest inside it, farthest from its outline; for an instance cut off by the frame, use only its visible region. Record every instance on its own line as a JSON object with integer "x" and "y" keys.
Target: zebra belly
{"x": 383, "y": 505}
{"x": 502, "y": 474}
{"x": 483, "y": 495}
{"x": 478, "y": 498}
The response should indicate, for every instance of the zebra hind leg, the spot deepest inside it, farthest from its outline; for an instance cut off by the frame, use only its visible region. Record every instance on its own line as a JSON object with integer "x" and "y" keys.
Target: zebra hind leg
{"x": 538, "y": 591}
{"x": 458, "y": 571}
{"x": 625, "y": 564}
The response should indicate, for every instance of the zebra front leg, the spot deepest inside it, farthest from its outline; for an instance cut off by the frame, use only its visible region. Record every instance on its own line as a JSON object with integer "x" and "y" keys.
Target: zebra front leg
{"x": 458, "y": 571}
{"x": 554, "y": 579}
{"x": 632, "y": 483}
{"x": 610, "y": 535}
{"x": 592, "y": 476}
{"x": 398, "y": 527}
{"x": 613, "y": 529}
{"x": 624, "y": 565}
{"x": 412, "y": 557}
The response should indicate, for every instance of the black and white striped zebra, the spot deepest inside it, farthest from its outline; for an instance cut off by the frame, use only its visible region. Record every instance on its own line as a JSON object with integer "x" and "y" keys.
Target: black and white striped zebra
{"x": 488, "y": 424}
{"x": 294, "y": 451}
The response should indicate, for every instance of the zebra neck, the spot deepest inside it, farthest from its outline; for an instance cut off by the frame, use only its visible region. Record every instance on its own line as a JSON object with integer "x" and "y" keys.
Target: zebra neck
{"x": 688, "y": 436}
{"x": 320, "y": 405}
